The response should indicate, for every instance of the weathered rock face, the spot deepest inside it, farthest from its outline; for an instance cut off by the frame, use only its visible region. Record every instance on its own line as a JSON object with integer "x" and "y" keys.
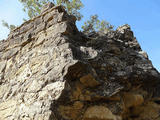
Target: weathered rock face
{"x": 50, "y": 71}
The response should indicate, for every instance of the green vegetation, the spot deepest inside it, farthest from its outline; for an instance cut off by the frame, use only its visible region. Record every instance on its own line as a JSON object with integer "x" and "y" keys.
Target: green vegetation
{"x": 33, "y": 7}
{"x": 94, "y": 24}
{"x": 10, "y": 27}
{"x": 73, "y": 7}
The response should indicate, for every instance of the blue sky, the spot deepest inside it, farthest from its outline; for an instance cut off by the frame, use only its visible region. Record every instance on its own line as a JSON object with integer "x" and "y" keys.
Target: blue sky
{"x": 142, "y": 15}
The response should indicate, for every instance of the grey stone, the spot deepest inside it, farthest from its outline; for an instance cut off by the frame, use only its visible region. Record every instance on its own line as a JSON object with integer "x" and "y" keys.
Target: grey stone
{"x": 51, "y": 71}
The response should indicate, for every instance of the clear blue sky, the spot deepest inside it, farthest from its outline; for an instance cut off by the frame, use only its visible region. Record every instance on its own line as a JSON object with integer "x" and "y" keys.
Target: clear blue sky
{"x": 142, "y": 15}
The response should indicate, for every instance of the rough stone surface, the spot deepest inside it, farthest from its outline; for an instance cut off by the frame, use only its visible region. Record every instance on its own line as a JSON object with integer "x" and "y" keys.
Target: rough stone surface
{"x": 98, "y": 113}
{"x": 51, "y": 71}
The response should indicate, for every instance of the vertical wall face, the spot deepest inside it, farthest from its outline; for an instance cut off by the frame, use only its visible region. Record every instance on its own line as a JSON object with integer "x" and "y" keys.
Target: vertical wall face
{"x": 32, "y": 62}
{"x": 50, "y": 71}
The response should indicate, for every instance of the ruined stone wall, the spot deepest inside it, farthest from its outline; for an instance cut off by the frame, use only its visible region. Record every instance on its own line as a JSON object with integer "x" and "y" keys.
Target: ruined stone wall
{"x": 51, "y": 71}
{"x": 31, "y": 65}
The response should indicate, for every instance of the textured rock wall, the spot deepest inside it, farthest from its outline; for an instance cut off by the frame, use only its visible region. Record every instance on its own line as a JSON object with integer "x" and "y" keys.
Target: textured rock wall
{"x": 33, "y": 61}
{"x": 50, "y": 71}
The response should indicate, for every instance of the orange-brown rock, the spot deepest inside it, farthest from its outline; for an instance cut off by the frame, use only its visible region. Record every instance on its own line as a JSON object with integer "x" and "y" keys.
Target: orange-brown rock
{"x": 71, "y": 112}
{"x": 132, "y": 100}
{"x": 89, "y": 81}
{"x": 149, "y": 111}
{"x": 98, "y": 113}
